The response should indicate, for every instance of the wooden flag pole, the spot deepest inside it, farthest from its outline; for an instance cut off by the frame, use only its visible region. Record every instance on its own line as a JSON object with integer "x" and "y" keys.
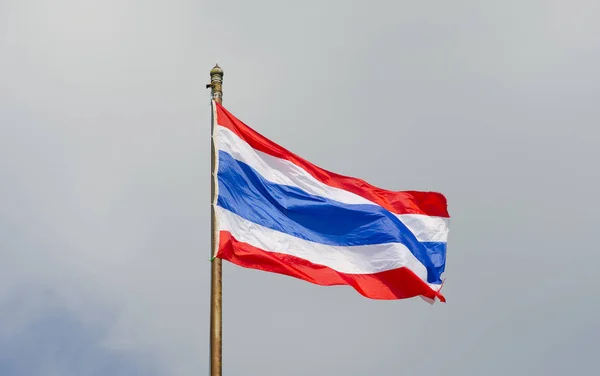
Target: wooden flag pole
{"x": 216, "y": 292}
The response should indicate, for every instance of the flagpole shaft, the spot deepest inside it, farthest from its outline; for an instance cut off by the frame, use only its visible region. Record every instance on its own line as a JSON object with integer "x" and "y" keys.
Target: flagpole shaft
{"x": 216, "y": 283}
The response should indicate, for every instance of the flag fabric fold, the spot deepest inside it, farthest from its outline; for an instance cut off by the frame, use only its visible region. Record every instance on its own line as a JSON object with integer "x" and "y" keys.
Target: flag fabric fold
{"x": 277, "y": 212}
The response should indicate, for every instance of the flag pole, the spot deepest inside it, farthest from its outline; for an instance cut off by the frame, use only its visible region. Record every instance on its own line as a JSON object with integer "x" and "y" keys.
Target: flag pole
{"x": 216, "y": 292}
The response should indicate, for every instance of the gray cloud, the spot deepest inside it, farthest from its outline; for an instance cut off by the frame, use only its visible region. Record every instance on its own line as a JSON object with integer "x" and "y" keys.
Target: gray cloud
{"x": 104, "y": 157}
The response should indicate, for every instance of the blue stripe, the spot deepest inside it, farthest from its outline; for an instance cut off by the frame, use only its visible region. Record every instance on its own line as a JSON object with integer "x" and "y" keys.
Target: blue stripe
{"x": 437, "y": 254}
{"x": 243, "y": 191}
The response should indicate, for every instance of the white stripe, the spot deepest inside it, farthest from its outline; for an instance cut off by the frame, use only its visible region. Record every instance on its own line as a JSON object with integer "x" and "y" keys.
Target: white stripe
{"x": 426, "y": 228}
{"x": 351, "y": 260}
{"x": 281, "y": 171}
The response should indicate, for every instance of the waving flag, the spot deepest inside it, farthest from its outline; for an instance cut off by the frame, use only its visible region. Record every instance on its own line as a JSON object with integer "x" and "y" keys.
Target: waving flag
{"x": 279, "y": 213}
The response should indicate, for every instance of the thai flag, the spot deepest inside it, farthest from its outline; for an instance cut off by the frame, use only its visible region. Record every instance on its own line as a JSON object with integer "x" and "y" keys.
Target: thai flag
{"x": 280, "y": 213}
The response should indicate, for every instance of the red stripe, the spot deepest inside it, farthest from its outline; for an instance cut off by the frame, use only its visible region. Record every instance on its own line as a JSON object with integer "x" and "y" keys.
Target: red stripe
{"x": 403, "y": 202}
{"x": 393, "y": 284}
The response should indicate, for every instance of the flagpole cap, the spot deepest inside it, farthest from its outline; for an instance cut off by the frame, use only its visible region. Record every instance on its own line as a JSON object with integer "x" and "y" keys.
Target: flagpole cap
{"x": 216, "y": 71}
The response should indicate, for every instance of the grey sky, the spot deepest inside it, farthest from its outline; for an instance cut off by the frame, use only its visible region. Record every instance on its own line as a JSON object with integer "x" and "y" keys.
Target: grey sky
{"x": 104, "y": 181}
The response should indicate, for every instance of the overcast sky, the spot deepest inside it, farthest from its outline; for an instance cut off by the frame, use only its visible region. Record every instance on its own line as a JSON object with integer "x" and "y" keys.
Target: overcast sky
{"x": 104, "y": 181}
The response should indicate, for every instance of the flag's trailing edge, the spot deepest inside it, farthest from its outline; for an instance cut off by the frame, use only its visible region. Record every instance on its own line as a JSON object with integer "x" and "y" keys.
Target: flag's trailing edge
{"x": 280, "y": 213}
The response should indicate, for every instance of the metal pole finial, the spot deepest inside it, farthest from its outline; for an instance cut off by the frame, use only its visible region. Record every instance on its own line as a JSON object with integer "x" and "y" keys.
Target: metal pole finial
{"x": 216, "y": 82}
